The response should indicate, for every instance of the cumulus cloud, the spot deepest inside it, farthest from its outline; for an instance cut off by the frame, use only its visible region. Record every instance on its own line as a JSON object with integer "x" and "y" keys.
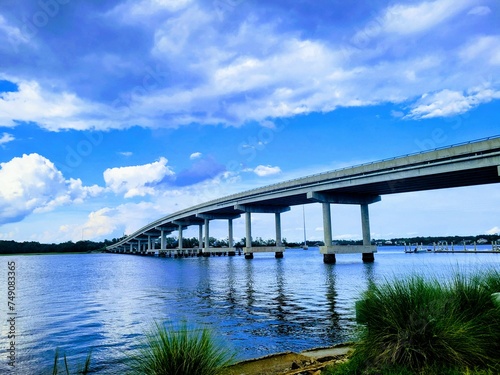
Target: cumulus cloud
{"x": 139, "y": 180}
{"x": 241, "y": 70}
{"x": 6, "y": 138}
{"x": 31, "y": 184}
{"x": 450, "y": 103}
{"x": 266, "y": 170}
{"x": 195, "y": 155}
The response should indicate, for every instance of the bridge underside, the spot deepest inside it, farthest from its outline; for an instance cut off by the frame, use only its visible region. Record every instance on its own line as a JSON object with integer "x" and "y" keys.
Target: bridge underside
{"x": 461, "y": 178}
{"x": 470, "y": 164}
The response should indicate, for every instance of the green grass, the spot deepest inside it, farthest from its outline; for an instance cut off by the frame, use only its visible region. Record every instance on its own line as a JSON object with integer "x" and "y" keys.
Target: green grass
{"x": 84, "y": 369}
{"x": 418, "y": 326}
{"x": 179, "y": 351}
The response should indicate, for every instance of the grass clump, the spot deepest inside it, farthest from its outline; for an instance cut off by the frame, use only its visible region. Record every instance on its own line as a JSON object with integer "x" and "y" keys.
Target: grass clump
{"x": 419, "y": 326}
{"x": 180, "y": 351}
{"x": 84, "y": 369}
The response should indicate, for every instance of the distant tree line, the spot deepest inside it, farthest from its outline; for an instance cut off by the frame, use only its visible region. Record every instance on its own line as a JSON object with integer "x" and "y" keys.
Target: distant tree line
{"x": 32, "y": 247}
{"x": 489, "y": 238}
{"x": 13, "y": 247}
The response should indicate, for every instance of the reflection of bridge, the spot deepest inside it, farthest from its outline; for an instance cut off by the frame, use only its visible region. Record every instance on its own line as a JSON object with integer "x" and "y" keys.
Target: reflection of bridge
{"x": 473, "y": 163}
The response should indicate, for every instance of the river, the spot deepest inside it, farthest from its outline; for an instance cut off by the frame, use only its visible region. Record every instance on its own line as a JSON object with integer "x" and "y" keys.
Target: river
{"x": 105, "y": 302}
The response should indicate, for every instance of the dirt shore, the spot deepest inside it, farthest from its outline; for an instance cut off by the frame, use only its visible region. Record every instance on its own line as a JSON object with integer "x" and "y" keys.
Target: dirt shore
{"x": 309, "y": 362}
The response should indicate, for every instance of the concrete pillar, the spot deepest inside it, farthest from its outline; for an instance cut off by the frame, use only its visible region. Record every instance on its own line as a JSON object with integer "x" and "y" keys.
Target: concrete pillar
{"x": 207, "y": 235}
{"x": 230, "y": 230}
{"x": 180, "y": 237}
{"x": 278, "y": 228}
{"x": 139, "y": 249}
{"x": 248, "y": 228}
{"x": 365, "y": 225}
{"x": 131, "y": 248}
{"x": 327, "y": 229}
{"x": 200, "y": 237}
{"x": 149, "y": 242}
{"x": 230, "y": 245}
{"x": 277, "y": 220}
{"x": 162, "y": 239}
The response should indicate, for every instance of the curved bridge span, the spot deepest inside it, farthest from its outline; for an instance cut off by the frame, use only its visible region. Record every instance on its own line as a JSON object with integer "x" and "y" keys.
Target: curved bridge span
{"x": 467, "y": 164}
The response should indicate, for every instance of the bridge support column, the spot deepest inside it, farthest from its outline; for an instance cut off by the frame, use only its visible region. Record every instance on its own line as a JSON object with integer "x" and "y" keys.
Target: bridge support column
{"x": 139, "y": 249}
{"x": 162, "y": 239}
{"x": 207, "y": 251}
{"x": 200, "y": 237}
{"x": 149, "y": 243}
{"x": 248, "y": 209}
{"x": 230, "y": 244}
{"x": 180, "y": 237}
{"x": 365, "y": 224}
{"x": 131, "y": 248}
{"x": 248, "y": 232}
{"x": 207, "y": 237}
{"x": 277, "y": 216}
{"x": 327, "y": 229}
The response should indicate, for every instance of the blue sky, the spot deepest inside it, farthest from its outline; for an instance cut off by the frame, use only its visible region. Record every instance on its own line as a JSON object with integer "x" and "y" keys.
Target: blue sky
{"x": 115, "y": 113}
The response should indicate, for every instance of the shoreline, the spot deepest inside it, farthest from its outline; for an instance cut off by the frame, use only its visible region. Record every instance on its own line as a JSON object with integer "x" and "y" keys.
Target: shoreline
{"x": 307, "y": 362}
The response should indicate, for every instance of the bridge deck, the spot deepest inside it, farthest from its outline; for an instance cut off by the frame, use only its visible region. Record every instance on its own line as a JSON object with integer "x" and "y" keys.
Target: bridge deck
{"x": 474, "y": 163}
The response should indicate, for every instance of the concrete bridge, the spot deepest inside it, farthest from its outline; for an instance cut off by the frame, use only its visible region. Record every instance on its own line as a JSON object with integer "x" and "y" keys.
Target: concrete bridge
{"x": 467, "y": 164}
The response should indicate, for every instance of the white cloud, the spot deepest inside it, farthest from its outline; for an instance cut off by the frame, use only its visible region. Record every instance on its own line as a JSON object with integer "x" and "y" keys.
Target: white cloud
{"x": 138, "y": 180}
{"x": 482, "y": 49}
{"x": 494, "y": 230}
{"x": 195, "y": 155}
{"x": 266, "y": 170}
{"x": 480, "y": 11}
{"x": 32, "y": 104}
{"x": 410, "y": 19}
{"x": 140, "y": 11}
{"x": 450, "y": 103}
{"x": 259, "y": 71}
{"x": 32, "y": 184}
{"x": 126, "y": 153}
{"x": 6, "y": 138}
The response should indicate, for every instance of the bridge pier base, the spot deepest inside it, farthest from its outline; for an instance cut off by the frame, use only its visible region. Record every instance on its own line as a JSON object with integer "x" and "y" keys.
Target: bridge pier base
{"x": 368, "y": 257}
{"x": 248, "y": 255}
{"x": 329, "y": 259}
{"x": 278, "y": 254}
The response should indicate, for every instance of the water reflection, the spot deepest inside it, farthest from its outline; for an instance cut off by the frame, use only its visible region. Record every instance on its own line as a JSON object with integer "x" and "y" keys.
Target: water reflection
{"x": 333, "y": 331}
{"x": 369, "y": 271}
{"x": 249, "y": 286}
{"x": 260, "y": 306}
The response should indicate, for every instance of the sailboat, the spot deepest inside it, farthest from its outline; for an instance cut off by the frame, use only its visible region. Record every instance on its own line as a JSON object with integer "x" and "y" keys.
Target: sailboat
{"x": 304, "y": 246}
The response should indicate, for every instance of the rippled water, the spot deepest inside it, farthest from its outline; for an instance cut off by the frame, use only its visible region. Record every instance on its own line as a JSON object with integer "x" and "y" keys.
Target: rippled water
{"x": 260, "y": 306}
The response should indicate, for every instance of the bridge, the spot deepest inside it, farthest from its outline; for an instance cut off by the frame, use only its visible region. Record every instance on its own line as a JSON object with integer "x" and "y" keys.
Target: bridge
{"x": 466, "y": 164}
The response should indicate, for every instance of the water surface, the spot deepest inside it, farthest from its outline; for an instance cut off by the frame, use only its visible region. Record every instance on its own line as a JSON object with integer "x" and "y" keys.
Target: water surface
{"x": 260, "y": 306}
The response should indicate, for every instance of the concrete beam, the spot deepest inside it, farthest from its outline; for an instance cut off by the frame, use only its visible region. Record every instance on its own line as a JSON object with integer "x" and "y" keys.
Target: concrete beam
{"x": 180, "y": 223}
{"x": 347, "y": 249}
{"x": 342, "y": 198}
{"x": 261, "y": 209}
{"x": 218, "y": 216}
{"x": 264, "y": 249}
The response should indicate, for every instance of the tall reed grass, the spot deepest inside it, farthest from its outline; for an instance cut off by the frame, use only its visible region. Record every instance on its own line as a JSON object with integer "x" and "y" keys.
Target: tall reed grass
{"x": 180, "y": 350}
{"x": 425, "y": 326}
{"x": 83, "y": 369}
